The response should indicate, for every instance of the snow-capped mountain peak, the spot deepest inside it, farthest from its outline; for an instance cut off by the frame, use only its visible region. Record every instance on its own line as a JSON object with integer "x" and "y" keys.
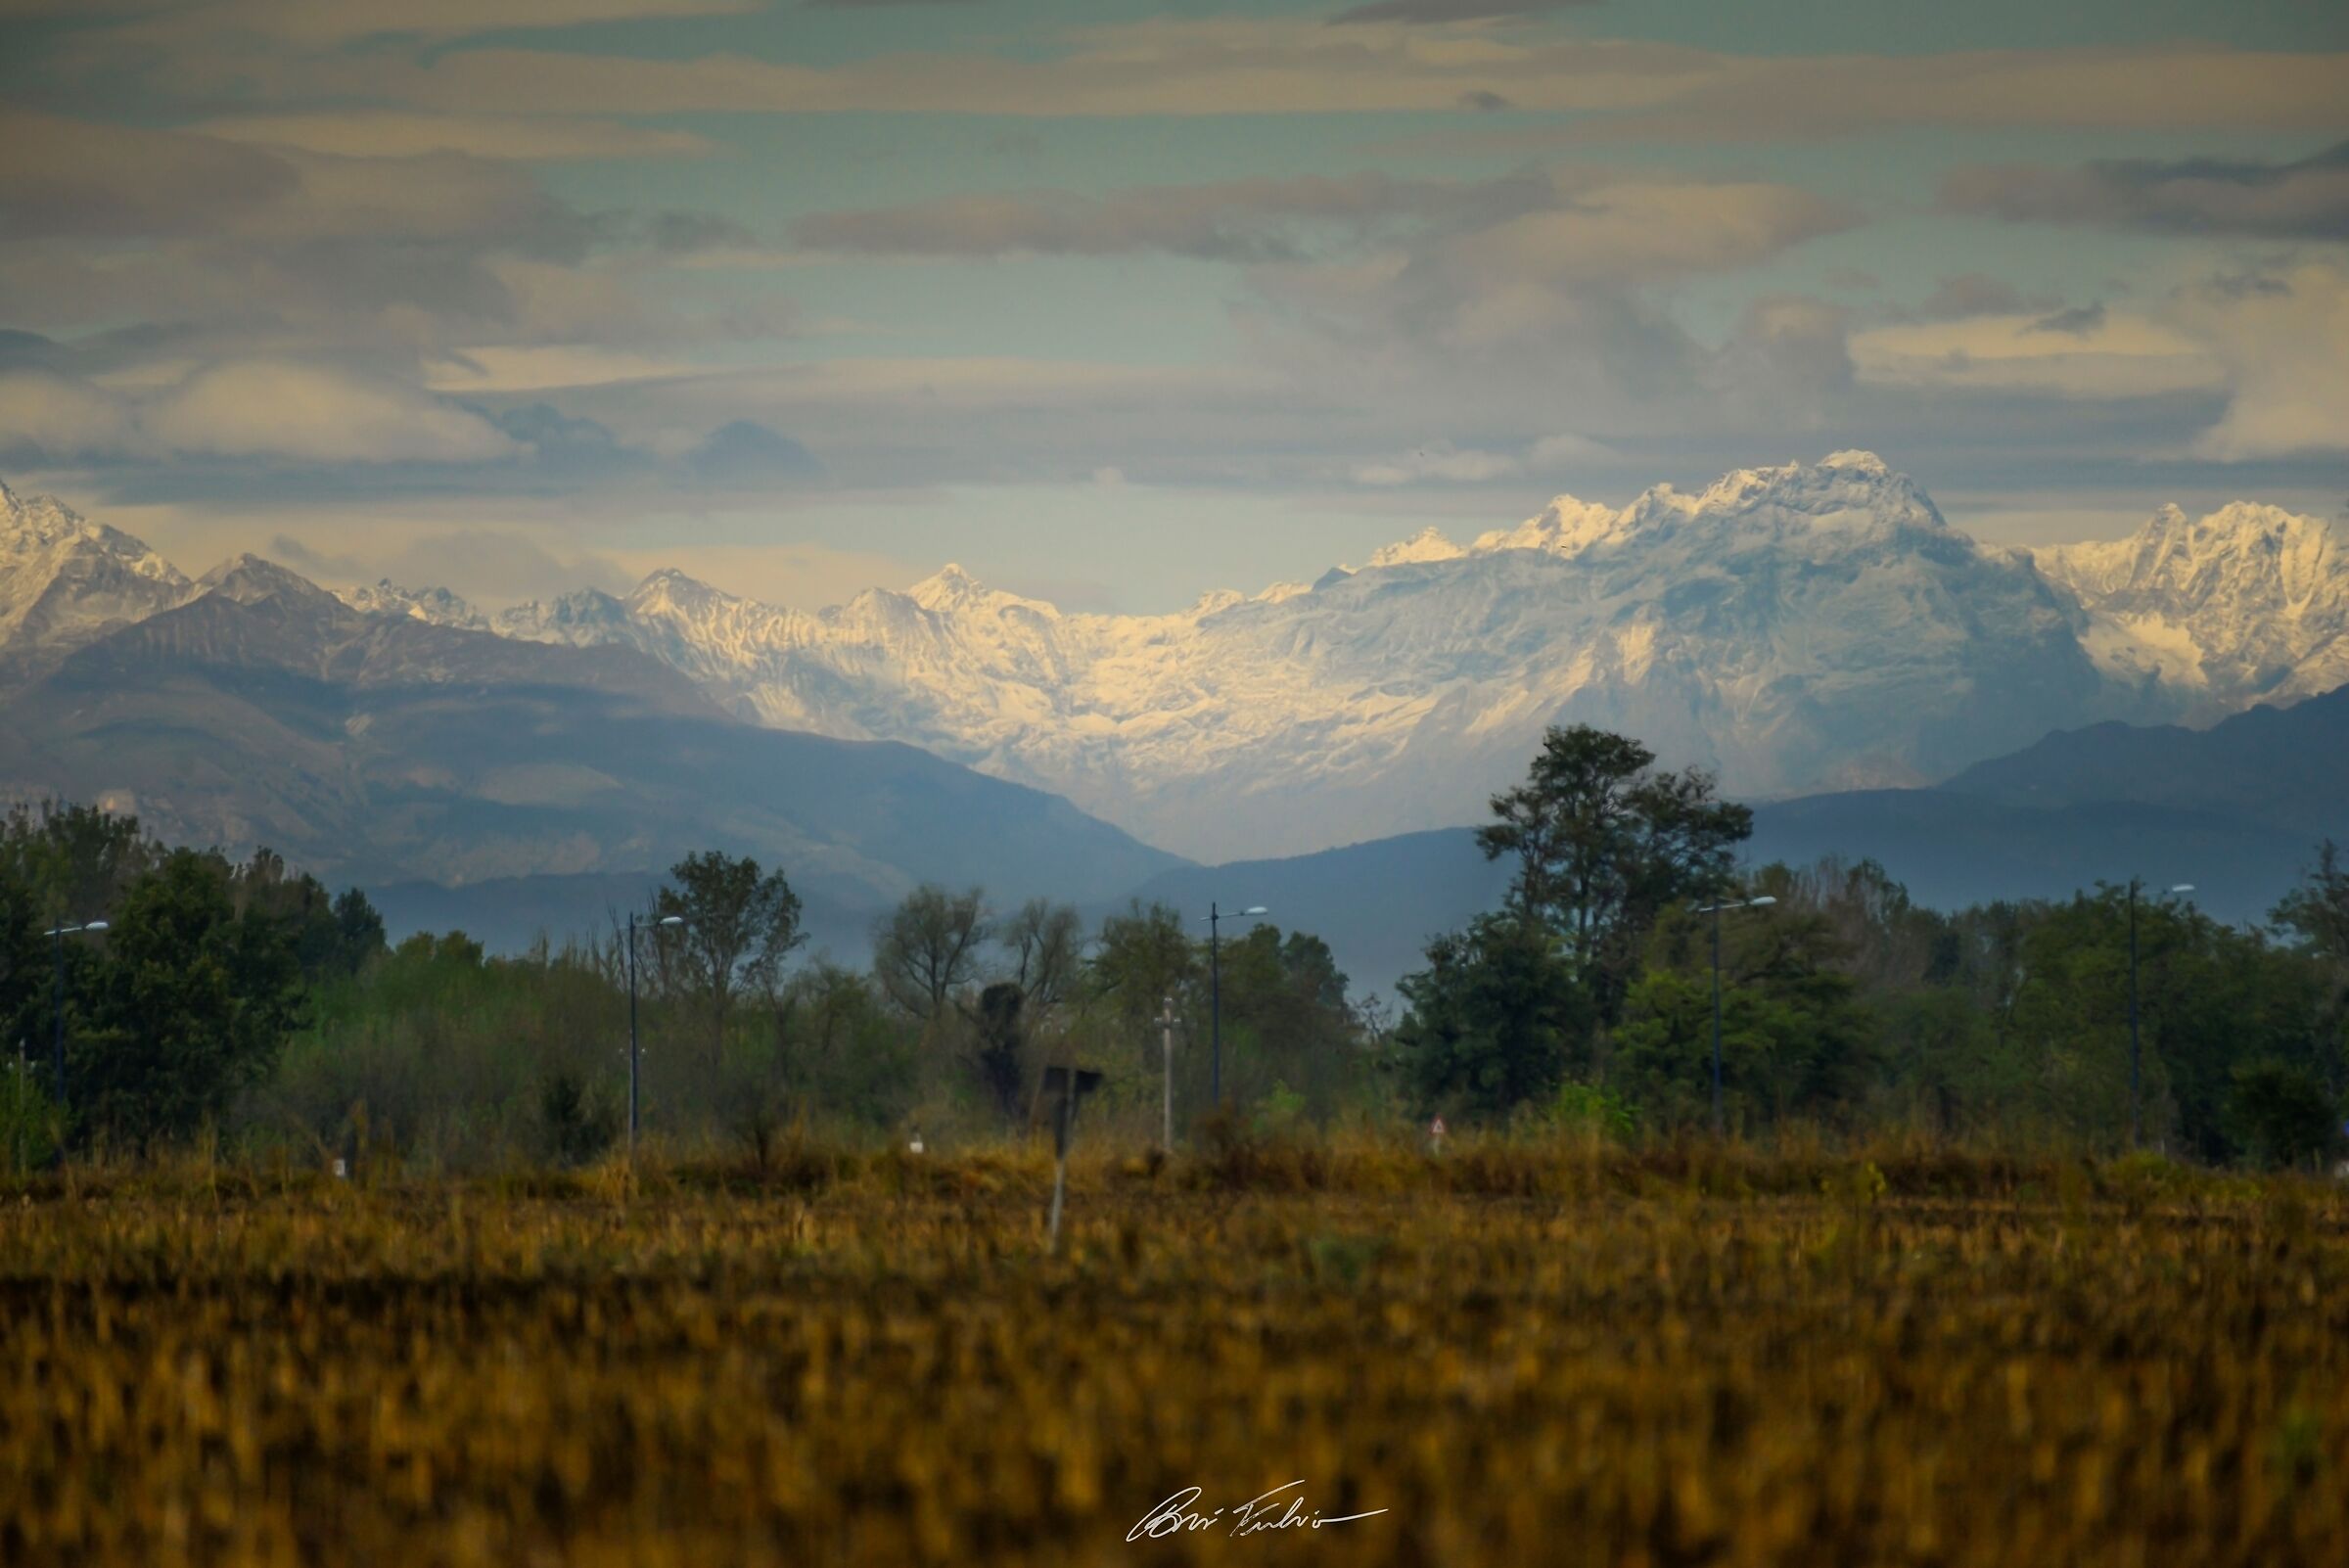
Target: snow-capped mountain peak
{"x": 1428, "y": 545}
{"x": 2247, "y": 602}
{"x": 65, "y": 581}
{"x": 582, "y": 618}
{"x": 950, "y": 587}
{"x": 434, "y": 606}
{"x": 1800, "y": 626}
{"x": 1566, "y": 526}
{"x": 250, "y": 578}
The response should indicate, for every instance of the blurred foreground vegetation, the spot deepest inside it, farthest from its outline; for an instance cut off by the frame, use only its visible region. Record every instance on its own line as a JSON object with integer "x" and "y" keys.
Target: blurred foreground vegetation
{"x": 1521, "y": 1349}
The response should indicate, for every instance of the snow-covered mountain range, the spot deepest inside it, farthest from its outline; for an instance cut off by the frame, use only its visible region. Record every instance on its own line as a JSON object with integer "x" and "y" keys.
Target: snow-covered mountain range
{"x": 1803, "y": 628}
{"x": 1816, "y": 625}
{"x": 2249, "y": 604}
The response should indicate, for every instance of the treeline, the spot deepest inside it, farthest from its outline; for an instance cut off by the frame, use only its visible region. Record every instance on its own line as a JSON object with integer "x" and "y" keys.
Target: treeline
{"x": 237, "y": 1002}
{"x": 1591, "y": 995}
{"x": 242, "y": 1002}
{"x": 183, "y": 999}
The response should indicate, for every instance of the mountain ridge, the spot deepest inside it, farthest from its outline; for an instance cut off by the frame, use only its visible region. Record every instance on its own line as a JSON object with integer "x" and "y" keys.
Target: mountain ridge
{"x": 1801, "y": 627}
{"x": 1719, "y": 624}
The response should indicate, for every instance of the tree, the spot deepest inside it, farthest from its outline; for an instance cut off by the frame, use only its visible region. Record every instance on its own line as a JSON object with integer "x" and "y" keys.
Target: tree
{"x": 928, "y": 948}
{"x": 1047, "y": 946}
{"x": 740, "y": 926}
{"x": 2317, "y": 915}
{"x": 2283, "y": 1114}
{"x": 997, "y": 1052}
{"x": 842, "y": 1048}
{"x": 1604, "y": 843}
{"x": 358, "y": 930}
{"x": 1492, "y": 1017}
{"x": 78, "y": 861}
{"x": 193, "y": 1001}
{"x": 1141, "y": 957}
{"x": 1793, "y": 1039}
{"x": 1285, "y": 1019}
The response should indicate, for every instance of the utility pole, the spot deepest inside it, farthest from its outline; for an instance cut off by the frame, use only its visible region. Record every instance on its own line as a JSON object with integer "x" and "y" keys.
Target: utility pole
{"x": 1215, "y": 993}
{"x": 1719, "y": 1124}
{"x": 1215, "y": 1010}
{"x": 2137, "y": 1123}
{"x": 631, "y": 1040}
{"x": 57, "y": 935}
{"x": 667, "y": 921}
{"x": 1166, "y": 1026}
{"x": 1717, "y": 1115}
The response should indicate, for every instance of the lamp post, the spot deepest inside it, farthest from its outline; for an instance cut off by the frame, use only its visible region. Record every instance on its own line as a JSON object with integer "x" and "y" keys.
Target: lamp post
{"x": 664, "y": 920}
{"x": 56, "y": 1002}
{"x": 1214, "y": 992}
{"x": 2136, "y": 1056}
{"x": 1715, "y": 909}
{"x": 1166, "y": 1025}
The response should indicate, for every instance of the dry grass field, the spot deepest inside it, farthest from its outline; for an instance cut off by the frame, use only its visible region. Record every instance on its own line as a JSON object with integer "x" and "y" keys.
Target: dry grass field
{"x": 1519, "y": 1356}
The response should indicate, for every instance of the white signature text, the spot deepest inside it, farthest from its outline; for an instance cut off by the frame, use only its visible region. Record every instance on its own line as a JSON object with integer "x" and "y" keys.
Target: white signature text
{"x": 1281, "y": 1508}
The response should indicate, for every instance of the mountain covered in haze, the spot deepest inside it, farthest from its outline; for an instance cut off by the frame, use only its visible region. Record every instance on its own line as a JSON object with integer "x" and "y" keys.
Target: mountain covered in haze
{"x": 261, "y": 710}
{"x": 1798, "y": 629}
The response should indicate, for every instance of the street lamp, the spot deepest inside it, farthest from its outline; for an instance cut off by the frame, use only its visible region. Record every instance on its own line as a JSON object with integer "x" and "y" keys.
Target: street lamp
{"x": 1166, "y": 1024}
{"x": 1715, "y": 909}
{"x": 664, "y": 920}
{"x": 1215, "y": 987}
{"x": 56, "y": 1002}
{"x": 2136, "y": 1098}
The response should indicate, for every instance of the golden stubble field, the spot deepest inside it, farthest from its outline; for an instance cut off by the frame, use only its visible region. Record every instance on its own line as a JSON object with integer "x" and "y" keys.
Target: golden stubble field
{"x": 895, "y": 1373}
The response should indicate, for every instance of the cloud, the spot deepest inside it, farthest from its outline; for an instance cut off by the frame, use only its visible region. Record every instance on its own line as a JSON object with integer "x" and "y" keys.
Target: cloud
{"x": 2285, "y": 348}
{"x": 305, "y": 23}
{"x": 87, "y": 178}
{"x": 2112, "y": 357}
{"x": 1552, "y": 453}
{"x": 485, "y": 369}
{"x": 743, "y": 454}
{"x": 682, "y": 233}
{"x": 313, "y": 414}
{"x": 317, "y": 565}
{"x": 394, "y": 133}
{"x": 2307, "y": 198}
{"x": 1438, "y": 460}
{"x": 59, "y": 417}
{"x": 256, "y": 251}
{"x": 1444, "y": 11}
{"x": 497, "y": 564}
{"x": 1972, "y": 294}
{"x": 1297, "y": 65}
{"x": 2080, "y": 321}
{"x": 492, "y": 565}
{"x": 1240, "y": 220}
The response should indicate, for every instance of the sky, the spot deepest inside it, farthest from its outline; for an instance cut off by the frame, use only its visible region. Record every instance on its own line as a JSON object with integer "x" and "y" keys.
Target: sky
{"x": 1115, "y": 304}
